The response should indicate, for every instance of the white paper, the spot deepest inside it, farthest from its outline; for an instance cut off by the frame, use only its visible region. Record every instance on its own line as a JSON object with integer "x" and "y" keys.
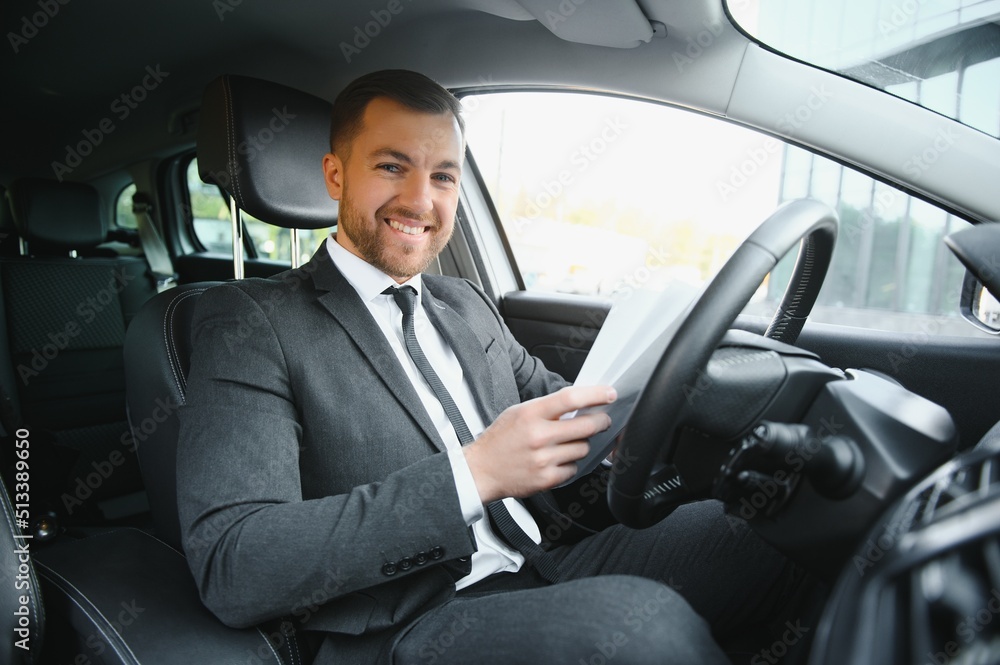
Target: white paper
{"x": 634, "y": 336}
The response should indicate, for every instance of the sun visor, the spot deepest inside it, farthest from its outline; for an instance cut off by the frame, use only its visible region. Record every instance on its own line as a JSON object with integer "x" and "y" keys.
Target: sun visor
{"x": 618, "y": 24}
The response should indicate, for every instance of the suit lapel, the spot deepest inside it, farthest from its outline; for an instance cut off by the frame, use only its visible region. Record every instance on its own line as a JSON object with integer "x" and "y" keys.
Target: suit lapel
{"x": 468, "y": 349}
{"x": 343, "y": 303}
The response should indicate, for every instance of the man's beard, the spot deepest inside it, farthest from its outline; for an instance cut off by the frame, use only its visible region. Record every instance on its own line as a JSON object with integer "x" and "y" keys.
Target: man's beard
{"x": 366, "y": 239}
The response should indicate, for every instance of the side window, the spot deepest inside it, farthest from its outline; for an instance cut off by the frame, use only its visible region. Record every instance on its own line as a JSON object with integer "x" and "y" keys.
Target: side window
{"x": 209, "y": 212}
{"x": 213, "y": 227}
{"x": 597, "y": 194}
{"x": 123, "y": 209}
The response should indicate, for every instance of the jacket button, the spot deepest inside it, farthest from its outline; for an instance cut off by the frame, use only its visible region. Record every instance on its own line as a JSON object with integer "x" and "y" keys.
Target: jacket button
{"x": 420, "y": 558}
{"x": 389, "y": 569}
{"x": 437, "y": 552}
{"x": 405, "y": 563}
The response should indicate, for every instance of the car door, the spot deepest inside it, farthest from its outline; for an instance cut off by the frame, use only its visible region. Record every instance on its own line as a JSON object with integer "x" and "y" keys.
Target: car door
{"x": 591, "y": 198}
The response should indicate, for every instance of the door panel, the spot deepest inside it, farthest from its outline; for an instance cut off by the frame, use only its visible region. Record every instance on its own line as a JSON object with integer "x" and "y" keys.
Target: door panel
{"x": 557, "y": 329}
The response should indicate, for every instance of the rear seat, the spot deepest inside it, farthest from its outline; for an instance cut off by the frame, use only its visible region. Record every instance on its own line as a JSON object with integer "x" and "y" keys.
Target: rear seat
{"x": 65, "y": 320}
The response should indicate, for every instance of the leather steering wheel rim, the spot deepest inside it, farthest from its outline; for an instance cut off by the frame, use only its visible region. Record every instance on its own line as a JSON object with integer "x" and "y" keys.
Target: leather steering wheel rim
{"x": 659, "y": 410}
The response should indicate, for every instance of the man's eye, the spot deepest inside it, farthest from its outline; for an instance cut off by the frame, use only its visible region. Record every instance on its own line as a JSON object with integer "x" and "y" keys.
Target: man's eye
{"x": 444, "y": 177}
{"x": 391, "y": 168}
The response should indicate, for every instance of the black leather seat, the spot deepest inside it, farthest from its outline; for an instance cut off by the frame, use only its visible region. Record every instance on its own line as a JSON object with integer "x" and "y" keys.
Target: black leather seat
{"x": 125, "y": 598}
{"x": 66, "y": 318}
{"x": 157, "y": 358}
{"x": 281, "y": 184}
{"x": 22, "y": 616}
{"x": 87, "y": 580}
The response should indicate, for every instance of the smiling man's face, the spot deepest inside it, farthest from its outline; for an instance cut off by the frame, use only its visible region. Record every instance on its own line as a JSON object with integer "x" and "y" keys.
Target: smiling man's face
{"x": 398, "y": 187}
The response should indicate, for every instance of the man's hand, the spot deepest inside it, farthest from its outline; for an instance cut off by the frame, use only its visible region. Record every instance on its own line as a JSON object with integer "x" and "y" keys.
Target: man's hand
{"x": 528, "y": 448}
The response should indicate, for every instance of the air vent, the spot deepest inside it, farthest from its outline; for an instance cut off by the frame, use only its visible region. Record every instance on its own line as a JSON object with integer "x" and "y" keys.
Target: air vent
{"x": 925, "y": 586}
{"x": 951, "y": 489}
{"x": 946, "y": 610}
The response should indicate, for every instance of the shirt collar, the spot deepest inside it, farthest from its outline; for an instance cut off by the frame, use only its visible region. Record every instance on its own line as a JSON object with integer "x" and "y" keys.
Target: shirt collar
{"x": 366, "y": 279}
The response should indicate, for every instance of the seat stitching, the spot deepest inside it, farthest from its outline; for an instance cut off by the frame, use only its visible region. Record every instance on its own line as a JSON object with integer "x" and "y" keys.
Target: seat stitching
{"x": 142, "y": 533}
{"x": 9, "y": 518}
{"x": 168, "y": 339}
{"x": 35, "y": 600}
{"x": 231, "y": 127}
{"x": 293, "y": 642}
{"x": 106, "y": 636}
{"x": 96, "y": 610}
{"x": 172, "y": 353}
{"x": 270, "y": 646}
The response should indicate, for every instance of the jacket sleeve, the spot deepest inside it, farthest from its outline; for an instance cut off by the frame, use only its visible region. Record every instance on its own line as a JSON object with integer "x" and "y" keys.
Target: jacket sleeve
{"x": 256, "y": 548}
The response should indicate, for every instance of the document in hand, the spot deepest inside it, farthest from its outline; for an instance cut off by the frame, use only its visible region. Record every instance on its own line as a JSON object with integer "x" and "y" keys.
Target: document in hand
{"x": 634, "y": 336}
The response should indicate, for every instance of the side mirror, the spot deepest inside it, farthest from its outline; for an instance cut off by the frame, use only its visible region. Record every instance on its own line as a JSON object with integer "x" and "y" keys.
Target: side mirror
{"x": 978, "y": 248}
{"x": 978, "y": 305}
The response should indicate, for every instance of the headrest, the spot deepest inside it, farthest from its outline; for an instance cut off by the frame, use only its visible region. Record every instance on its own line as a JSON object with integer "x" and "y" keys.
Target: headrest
{"x": 263, "y": 143}
{"x": 63, "y": 215}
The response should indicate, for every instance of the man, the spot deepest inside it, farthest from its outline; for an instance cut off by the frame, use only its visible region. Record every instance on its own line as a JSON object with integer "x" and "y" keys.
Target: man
{"x": 322, "y": 472}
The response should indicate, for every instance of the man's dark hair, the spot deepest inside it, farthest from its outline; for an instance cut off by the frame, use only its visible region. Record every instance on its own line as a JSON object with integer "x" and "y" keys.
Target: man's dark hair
{"x": 411, "y": 89}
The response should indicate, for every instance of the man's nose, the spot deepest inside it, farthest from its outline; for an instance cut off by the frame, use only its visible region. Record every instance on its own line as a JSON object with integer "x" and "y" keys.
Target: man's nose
{"x": 416, "y": 194}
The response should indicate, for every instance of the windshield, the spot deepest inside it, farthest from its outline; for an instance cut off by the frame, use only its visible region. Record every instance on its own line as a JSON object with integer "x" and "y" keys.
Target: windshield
{"x": 941, "y": 54}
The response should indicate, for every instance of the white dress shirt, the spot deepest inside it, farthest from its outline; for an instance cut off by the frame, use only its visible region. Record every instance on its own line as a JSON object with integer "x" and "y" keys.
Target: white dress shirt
{"x": 493, "y": 555}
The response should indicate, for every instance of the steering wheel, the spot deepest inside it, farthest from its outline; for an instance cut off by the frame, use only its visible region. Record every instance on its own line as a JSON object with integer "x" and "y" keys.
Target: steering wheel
{"x": 646, "y": 488}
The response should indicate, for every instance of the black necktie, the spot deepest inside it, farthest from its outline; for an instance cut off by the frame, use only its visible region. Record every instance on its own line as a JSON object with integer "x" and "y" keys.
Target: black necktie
{"x": 406, "y": 298}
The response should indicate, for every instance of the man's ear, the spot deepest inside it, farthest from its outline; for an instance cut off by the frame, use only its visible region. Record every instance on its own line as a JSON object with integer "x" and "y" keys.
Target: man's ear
{"x": 333, "y": 175}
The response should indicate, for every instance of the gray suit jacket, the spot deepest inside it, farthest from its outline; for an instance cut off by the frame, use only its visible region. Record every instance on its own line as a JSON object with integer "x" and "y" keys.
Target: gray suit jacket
{"x": 311, "y": 481}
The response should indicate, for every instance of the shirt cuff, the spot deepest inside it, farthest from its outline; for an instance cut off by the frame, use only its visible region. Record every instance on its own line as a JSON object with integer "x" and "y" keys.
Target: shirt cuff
{"x": 468, "y": 494}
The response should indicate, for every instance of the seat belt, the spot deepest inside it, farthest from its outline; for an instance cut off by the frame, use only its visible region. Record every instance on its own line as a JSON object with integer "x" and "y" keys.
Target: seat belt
{"x": 156, "y": 252}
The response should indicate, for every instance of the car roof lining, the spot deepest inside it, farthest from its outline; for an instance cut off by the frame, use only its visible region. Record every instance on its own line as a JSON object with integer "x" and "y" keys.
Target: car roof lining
{"x": 703, "y": 63}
